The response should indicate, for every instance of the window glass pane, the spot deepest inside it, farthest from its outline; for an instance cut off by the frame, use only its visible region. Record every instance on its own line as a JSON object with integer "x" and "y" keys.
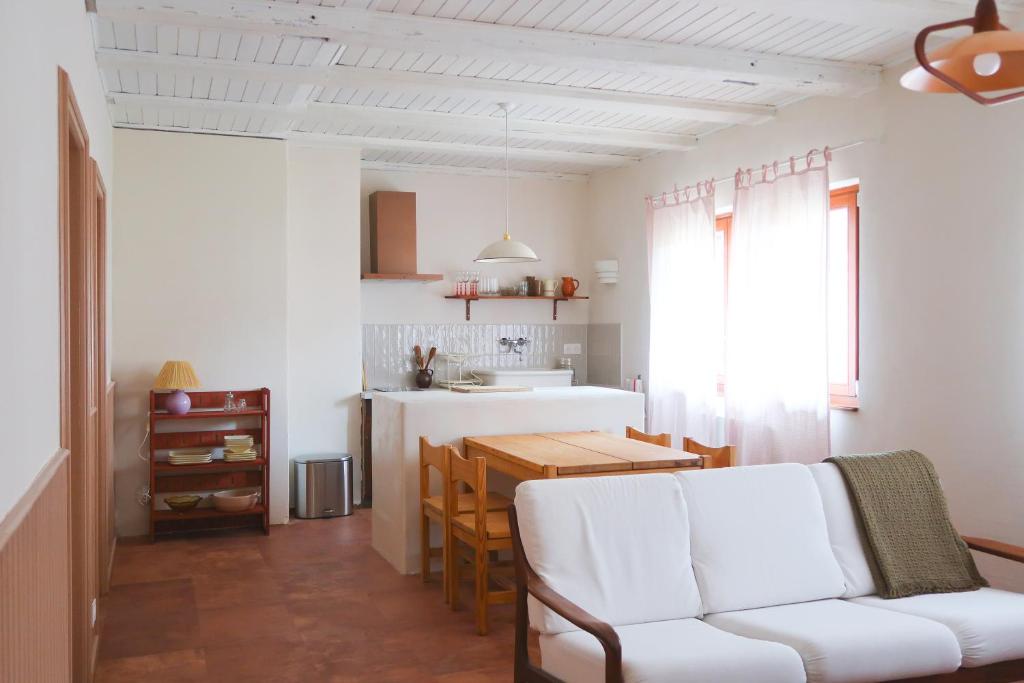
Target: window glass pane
{"x": 838, "y": 296}
{"x": 719, "y": 292}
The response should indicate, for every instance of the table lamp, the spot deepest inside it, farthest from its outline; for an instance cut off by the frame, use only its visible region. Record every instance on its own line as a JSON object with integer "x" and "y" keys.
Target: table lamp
{"x": 177, "y": 375}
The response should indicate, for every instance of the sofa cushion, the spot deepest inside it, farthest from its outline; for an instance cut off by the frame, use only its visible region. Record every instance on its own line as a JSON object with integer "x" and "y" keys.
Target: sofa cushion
{"x": 840, "y": 641}
{"x": 619, "y": 547}
{"x": 758, "y": 537}
{"x": 989, "y": 623}
{"x": 679, "y": 651}
{"x": 845, "y": 532}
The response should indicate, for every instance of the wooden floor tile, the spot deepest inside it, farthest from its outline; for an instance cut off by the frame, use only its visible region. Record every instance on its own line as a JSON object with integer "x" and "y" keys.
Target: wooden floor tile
{"x": 316, "y": 604}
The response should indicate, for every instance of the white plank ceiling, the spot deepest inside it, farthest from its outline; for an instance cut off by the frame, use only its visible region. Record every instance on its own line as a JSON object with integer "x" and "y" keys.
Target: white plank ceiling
{"x": 417, "y": 83}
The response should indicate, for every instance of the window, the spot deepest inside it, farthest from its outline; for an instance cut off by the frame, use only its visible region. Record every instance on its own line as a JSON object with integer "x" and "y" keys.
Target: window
{"x": 843, "y": 252}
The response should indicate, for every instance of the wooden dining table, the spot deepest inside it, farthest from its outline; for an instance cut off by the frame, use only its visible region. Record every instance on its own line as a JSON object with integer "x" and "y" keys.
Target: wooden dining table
{"x": 575, "y": 454}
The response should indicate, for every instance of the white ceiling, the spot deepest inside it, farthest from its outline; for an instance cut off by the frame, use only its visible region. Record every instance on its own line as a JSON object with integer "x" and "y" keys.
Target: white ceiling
{"x": 417, "y": 83}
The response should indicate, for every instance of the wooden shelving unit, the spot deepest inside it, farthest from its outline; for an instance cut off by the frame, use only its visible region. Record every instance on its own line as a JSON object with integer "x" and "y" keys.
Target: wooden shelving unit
{"x": 166, "y": 432}
{"x": 406, "y": 277}
{"x": 489, "y": 297}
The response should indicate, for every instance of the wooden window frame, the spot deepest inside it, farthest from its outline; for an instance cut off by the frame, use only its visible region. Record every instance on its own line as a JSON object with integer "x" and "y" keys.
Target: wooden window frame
{"x": 842, "y": 396}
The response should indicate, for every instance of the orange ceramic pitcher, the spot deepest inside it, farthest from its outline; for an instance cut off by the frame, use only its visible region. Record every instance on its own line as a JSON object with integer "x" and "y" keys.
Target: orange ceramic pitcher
{"x": 569, "y": 285}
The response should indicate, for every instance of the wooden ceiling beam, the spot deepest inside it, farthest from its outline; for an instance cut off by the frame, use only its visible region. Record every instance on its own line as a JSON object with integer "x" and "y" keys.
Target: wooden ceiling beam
{"x": 287, "y": 116}
{"x": 519, "y": 93}
{"x": 443, "y": 147}
{"x": 385, "y": 30}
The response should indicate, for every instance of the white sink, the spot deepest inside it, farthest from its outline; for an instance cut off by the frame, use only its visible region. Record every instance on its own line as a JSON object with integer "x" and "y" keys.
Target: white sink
{"x": 524, "y": 377}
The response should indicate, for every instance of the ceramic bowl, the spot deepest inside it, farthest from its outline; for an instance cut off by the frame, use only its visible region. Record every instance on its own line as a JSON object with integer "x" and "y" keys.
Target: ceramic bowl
{"x": 234, "y": 501}
{"x": 180, "y": 503}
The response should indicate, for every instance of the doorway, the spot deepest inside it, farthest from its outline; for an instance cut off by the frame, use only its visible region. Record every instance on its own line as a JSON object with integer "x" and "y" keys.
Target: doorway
{"x": 80, "y": 367}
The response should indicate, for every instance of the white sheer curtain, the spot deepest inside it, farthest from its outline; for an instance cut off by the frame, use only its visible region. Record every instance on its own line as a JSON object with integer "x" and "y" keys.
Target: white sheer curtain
{"x": 776, "y": 389}
{"x": 685, "y": 341}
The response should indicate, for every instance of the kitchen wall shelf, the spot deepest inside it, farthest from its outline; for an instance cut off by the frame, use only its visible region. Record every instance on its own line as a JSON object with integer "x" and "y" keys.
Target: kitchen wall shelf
{"x": 409, "y": 277}
{"x": 483, "y": 297}
{"x": 168, "y": 431}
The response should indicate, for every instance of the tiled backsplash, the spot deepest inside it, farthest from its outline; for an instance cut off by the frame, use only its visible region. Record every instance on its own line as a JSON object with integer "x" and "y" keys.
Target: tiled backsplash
{"x": 388, "y": 355}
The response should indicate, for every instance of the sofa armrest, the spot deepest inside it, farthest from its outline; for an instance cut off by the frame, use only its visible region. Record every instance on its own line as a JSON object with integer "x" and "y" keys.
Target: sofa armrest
{"x": 527, "y": 581}
{"x": 997, "y": 548}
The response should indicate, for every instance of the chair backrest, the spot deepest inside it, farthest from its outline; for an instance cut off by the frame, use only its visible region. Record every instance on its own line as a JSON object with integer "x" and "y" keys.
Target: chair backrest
{"x": 657, "y": 439}
{"x": 619, "y": 547}
{"x": 432, "y": 456}
{"x": 759, "y": 538}
{"x": 473, "y": 473}
{"x": 845, "y": 531}
{"x": 722, "y": 456}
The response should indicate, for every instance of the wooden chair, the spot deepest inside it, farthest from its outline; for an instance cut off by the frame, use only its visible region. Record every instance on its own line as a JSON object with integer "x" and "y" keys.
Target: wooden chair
{"x": 723, "y": 456}
{"x": 482, "y": 531}
{"x": 432, "y": 508}
{"x": 657, "y": 439}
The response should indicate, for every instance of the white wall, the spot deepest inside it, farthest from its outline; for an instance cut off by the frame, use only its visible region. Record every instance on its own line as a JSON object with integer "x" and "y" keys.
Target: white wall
{"x": 200, "y": 272}
{"x": 457, "y": 215}
{"x": 942, "y": 288}
{"x": 35, "y": 38}
{"x": 324, "y": 337}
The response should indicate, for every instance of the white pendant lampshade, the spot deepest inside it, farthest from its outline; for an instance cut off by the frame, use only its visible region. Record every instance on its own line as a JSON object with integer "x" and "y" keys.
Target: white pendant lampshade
{"x": 506, "y": 250}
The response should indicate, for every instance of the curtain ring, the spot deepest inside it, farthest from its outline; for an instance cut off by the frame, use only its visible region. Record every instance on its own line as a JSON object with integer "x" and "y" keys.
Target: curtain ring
{"x": 792, "y": 165}
{"x": 810, "y": 157}
{"x": 664, "y": 201}
{"x": 739, "y": 178}
{"x": 828, "y": 154}
{"x": 675, "y": 191}
{"x": 775, "y": 169}
{"x": 750, "y": 176}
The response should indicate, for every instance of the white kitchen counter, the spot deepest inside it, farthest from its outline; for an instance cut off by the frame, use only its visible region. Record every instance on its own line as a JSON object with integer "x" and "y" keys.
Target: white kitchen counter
{"x": 400, "y": 418}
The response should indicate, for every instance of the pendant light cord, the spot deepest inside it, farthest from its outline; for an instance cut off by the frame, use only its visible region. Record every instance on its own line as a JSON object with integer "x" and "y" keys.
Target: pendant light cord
{"x": 507, "y": 172}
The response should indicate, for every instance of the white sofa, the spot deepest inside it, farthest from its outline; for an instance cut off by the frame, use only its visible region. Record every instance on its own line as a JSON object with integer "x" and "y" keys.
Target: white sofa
{"x": 738, "y": 575}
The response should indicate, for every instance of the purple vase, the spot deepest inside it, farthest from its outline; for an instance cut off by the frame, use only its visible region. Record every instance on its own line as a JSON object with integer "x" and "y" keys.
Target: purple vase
{"x": 178, "y": 403}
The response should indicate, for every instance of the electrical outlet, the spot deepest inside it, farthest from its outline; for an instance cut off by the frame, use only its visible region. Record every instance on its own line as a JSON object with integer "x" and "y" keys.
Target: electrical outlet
{"x": 92, "y": 612}
{"x": 572, "y": 349}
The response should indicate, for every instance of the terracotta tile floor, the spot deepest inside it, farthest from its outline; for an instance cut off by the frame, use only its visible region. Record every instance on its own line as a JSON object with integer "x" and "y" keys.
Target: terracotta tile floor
{"x": 312, "y": 602}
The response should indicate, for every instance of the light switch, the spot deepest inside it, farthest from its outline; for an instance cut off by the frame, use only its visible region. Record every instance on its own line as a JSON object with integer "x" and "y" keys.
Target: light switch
{"x": 572, "y": 349}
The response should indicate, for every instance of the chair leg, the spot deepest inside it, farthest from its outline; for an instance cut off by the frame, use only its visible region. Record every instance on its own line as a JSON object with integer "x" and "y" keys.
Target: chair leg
{"x": 481, "y": 588}
{"x": 453, "y": 582}
{"x": 445, "y": 560}
{"x": 424, "y": 548}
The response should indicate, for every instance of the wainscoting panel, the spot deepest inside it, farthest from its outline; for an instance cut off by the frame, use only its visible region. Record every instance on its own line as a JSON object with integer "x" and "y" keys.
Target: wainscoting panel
{"x": 35, "y": 617}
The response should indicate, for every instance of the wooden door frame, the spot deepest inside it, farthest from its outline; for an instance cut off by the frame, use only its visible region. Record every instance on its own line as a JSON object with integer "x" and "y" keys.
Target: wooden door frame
{"x": 77, "y": 364}
{"x": 104, "y": 486}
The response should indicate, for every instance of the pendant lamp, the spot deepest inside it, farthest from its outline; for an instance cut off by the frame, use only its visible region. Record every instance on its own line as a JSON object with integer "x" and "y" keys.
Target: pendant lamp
{"x": 989, "y": 60}
{"x": 506, "y": 250}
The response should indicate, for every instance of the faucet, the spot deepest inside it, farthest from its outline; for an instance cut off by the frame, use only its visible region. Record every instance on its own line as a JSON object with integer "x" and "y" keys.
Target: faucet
{"x": 514, "y": 345}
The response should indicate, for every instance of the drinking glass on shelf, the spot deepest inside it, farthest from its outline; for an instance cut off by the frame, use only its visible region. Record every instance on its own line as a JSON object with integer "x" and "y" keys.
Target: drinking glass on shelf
{"x": 241, "y": 404}
{"x": 474, "y": 283}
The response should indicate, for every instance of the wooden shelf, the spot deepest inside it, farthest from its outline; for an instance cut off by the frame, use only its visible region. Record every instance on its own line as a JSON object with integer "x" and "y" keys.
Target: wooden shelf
{"x": 204, "y": 513}
{"x": 410, "y": 277}
{"x": 215, "y": 466}
{"x": 203, "y": 414}
{"x": 497, "y": 297}
{"x": 168, "y": 432}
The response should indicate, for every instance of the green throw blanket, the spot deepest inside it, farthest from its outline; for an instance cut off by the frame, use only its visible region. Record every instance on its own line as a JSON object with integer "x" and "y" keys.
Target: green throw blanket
{"x": 916, "y": 549}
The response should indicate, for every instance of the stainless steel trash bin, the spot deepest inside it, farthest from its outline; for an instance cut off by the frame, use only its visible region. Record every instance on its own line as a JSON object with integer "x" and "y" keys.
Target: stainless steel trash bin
{"x": 323, "y": 486}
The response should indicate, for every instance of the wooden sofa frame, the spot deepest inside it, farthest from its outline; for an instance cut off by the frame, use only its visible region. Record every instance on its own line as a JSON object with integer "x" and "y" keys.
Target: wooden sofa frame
{"x": 529, "y": 583}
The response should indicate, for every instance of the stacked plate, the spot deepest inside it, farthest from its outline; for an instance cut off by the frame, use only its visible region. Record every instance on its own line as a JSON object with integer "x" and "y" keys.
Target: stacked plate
{"x": 190, "y": 456}
{"x": 238, "y": 448}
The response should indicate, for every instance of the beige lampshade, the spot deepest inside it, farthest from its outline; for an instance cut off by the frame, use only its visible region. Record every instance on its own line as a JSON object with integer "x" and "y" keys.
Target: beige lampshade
{"x": 177, "y": 374}
{"x": 956, "y": 59}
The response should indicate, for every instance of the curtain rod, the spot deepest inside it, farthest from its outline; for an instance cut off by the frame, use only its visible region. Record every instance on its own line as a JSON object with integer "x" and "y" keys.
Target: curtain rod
{"x": 731, "y": 177}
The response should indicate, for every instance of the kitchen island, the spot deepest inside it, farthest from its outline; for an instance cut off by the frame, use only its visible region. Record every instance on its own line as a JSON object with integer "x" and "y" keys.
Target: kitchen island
{"x": 400, "y": 418}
